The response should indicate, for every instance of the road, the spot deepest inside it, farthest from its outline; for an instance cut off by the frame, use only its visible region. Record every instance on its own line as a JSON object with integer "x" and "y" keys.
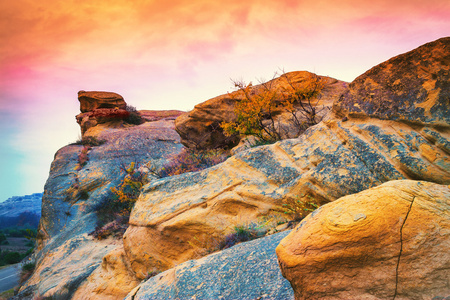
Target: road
{"x": 9, "y": 277}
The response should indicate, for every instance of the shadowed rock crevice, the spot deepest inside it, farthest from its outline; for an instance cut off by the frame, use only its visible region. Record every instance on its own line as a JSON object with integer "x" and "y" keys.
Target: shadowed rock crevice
{"x": 401, "y": 248}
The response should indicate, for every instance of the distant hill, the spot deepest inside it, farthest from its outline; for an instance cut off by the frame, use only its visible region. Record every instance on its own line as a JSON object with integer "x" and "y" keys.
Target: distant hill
{"x": 21, "y": 211}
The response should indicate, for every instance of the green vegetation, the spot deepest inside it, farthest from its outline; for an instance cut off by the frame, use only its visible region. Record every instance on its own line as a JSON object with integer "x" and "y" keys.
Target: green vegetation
{"x": 26, "y": 272}
{"x": 242, "y": 234}
{"x": 7, "y": 294}
{"x": 134, "y": 117}
{"x": 17, "y": 243}
{"x": 299, "y": 209}
{"x": 89, "y": 141}
{"x": 114, "y": 213}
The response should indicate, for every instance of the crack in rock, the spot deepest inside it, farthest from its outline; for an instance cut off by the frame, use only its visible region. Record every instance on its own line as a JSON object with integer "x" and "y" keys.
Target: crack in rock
{"x": 401, "y": 248}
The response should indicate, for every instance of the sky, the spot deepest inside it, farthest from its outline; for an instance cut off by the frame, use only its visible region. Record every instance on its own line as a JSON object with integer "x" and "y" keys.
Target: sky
{"x": 174, "y": 55}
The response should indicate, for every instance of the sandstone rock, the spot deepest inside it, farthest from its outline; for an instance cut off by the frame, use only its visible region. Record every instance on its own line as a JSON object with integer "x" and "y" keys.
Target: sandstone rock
{"x": 97, "y": 116}
{"x": 413, "y": 87}
{"x": 176, "y": 218}
{"x": 246, "y": 271}
{"x": 67, "y": 217}
{"x": 200, "y": 128}
{"x": 94, "y": 100}
{"x": 113, "y": 279}
{"x": 388, "y": 242}
{"x": 156, "y": 115}
{"x": 60, "y": 270}
{"x": 180, "y": 218}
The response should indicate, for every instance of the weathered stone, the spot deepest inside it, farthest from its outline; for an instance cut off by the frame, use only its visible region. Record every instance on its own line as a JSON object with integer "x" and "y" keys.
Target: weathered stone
{"x": 90, "y": 119}
{"x": 329, "y": 161}
{"x": 156, "y": 115}
{"x": 179, "y": 218}
{"x": 67, "y": 217}
{"x": 413, "y": 87}
{"x": 113, "y": 279}
{"x": 94, "y": 100}
{"x": 388, "y": 242}
{"x": 176, "y": 218}
{"x": 246, "y": 271}
{"x": 200, "y": 128}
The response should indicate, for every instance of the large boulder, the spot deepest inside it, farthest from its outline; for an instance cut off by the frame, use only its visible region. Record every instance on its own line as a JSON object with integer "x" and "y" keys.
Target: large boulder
{"x": 101, "y": 108}
{"x": 94, "y": 100}
{"x": 413, "y": 88}
{"x": 200, "y": 128}
{"x": 246, "y": 271}
{"x": 388, "y": 242}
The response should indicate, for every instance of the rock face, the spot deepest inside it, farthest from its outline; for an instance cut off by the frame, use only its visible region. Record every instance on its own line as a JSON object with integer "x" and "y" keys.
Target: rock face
{"x": 246, "y": 271}
{"x": 156, "y": 115}
{"x": 413, "y": 87}
{"x": 94, "y": 100}
{"x": 388, "y": 242}
{"x": 67, "y": 255}
{"x": 180, "y": 218}
{"x": 100, "y": 108}
{"x": 200, "y": 128}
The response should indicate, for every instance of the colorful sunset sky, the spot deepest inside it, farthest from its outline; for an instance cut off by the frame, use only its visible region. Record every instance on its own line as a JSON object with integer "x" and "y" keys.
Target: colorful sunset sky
{"x": 175, "y": 54}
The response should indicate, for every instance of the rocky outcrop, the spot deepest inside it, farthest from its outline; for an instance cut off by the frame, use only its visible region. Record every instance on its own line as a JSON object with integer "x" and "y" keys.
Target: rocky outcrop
{"x": 95, "y": 100}
{"x": 413, "y": 88}
{"x": 246, "y": 271}
{"x": 388, "y": 242}
{"x": 180, "y": 218}
{"x": 156, "y": 115}
{"x": 200, "y": 128}
{"x": 98, "y": 116}
{"x": 67, "y": 254}
{"x": 100, "y": 108}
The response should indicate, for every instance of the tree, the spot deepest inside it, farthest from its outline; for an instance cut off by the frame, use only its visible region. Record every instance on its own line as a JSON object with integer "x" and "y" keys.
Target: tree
{"x": 257, "y": 109}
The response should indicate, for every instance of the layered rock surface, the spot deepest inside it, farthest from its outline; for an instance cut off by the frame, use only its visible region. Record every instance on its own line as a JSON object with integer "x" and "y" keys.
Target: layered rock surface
{"x": 100, "y": 108}
{"x": 179, "y": 218}
{"x": 67, "y": 255}
{"x": 200, "y": 128}
{"x": 95, "y": 100}
{"x": 332, "y": 159}
{"x": 246, "y": 271}
{"x": 388, "y": 242}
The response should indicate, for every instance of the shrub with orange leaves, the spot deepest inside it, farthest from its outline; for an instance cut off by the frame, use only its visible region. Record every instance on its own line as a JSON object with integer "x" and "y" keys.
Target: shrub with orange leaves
{"x": 114, "y": 214}
{"x": 255, "y": 112}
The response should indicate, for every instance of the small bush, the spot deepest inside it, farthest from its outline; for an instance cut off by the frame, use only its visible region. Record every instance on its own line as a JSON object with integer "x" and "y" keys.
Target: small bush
{"x": 89, "y": 141}
{"x": 83, "y": 194}
{"x": 26, "y": 272}
{"x": 241, "y": 234}
{"x": 134, "y": 116}
{"x": 189, "y": 160}
{"x": 113, "y": 214}
{"x": 298, "y": 208}
{"x": 256, "y": 108}
{"x": 10, "y": 257}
